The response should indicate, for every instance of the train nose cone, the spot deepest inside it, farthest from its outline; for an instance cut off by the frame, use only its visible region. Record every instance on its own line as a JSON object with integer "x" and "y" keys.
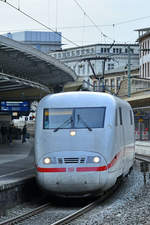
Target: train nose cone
{"x": 75, "y": 173}
{"x": 83, "y": 179}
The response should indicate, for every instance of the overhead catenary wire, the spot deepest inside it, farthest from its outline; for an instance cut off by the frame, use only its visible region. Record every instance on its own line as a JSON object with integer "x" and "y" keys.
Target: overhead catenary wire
{"x": 91, "y": 20}
{"x": 132, "y": 20}
{"x": 42, "y": 24}
{"x": 107, "y": 25}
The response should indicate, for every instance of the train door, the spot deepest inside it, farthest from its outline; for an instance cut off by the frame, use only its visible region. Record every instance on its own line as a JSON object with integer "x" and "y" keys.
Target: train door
{"x": 128, "y": 132}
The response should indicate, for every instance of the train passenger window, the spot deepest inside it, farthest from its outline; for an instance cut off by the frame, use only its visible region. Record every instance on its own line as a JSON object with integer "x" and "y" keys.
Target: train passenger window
{"x": 120, "y": 115}
{"x": 57, "y": 118}
{"x": 131, "y": 119}
{"x": 116, "y": 118}
{"x": 89, "y": 117}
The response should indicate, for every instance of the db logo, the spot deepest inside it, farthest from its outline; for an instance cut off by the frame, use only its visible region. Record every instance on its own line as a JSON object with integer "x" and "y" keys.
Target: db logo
{"x": 70, "y": 169}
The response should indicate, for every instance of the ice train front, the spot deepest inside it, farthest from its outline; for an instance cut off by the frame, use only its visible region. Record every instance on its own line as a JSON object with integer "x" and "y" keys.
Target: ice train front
{"x": 70, "y": 144}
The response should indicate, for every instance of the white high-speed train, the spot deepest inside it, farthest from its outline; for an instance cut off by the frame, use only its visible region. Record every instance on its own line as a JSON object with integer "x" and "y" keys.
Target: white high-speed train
{"x": 84, "y": 142}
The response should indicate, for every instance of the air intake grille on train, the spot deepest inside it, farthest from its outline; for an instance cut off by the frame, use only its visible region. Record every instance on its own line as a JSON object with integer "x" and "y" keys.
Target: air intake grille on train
{"x": 71, "y": 160}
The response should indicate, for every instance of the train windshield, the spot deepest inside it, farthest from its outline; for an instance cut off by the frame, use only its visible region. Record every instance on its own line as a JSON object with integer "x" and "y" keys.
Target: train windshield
{"x": 74, "y": 118}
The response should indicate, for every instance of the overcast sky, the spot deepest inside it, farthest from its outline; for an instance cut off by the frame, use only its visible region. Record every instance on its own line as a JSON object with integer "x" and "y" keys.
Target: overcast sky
{"x": 101, "y": 22}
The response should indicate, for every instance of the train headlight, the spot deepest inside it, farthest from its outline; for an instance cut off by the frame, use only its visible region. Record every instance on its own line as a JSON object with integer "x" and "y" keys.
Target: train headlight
{"x": 72, "y": 133}
{"x": 93, "y": 159}
{"x": 47, "y": 160}
{"x": 96, "y": 159}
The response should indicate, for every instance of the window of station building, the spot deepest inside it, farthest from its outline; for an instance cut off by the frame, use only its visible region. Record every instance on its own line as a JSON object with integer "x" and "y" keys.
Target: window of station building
{"x": 143, "y": 48}
{"x": 148, "y": 65}
{"x": 105, "y": 50}
{"x": 110, "y": 66}
{"x": 145, "y": 70}
{"x": 73, "y": 53}
{"x": 142, "y": 70}
{"x": 147, "y": 46}
{"x": 108, "y": 50}
{"x": 106, "y": 82}
{"x": 126, "y": 50}
{"x": 112, "y": 83}
{"x": 78, "y": 52}
{"x": 59, "y": 55}
{"x": 64, "y": 54}
{"x": 131, "y": 50}
{"x": 118, "y": 82}
{"x": 92, "y": 50}
{"x": 87, "y": 51}
{"x": 120, "y": 50}
{"x": 68, "y": 54}
{"x": 82, "y": 52}
{"x": 120, "y": 115}
{"x": 117, "y": 50}
{"x": 102, "y": 50}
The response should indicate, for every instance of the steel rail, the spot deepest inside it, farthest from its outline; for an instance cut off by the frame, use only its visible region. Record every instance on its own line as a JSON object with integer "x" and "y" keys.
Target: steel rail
{"x": 87, "y": 208}
{"x": 75, "y": 215}
{"x": 25, "y": 216}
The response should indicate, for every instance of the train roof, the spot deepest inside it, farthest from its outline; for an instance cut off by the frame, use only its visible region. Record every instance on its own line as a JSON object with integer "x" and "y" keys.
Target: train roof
{"x": 81, "y": 99}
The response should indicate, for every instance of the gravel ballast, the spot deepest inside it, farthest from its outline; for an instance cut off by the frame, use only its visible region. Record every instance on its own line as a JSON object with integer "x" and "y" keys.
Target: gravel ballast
{"x": 129, "y": 206}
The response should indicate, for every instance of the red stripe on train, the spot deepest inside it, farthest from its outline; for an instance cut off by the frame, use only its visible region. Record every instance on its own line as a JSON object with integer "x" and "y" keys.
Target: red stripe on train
{"x": 113, "y": 161}
{"x": 88, "y": 169}
{"x": 52, "y": 170}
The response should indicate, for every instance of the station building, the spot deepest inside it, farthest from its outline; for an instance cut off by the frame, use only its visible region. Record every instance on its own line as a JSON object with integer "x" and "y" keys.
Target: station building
{"x": 43, "y": 41}
{"x": 142, "y": 114}
{"x": 144, "y": 44}
{"x": 116, "y": 56}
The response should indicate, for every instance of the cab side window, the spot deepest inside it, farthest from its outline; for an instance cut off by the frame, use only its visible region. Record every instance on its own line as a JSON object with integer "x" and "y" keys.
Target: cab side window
{"x": 131, "y": 118}
{"x": 116, "y": 118}
{"x": 120, "y": 115}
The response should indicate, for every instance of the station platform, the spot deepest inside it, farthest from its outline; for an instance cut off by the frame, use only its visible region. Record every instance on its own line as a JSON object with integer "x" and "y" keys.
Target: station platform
{"x": 16, "y": 162}
{"x": 142, "y": 147}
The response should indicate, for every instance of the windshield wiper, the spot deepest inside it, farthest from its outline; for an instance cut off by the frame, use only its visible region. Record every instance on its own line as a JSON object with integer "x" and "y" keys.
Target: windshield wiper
{"x": 70, "y": 120}
{"x": 85, "y": 124}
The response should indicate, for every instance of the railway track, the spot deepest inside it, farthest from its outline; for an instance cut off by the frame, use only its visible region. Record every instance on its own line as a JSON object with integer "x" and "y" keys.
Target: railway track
{"x": 66, "y": 219}
{"x": 25, "y": 216}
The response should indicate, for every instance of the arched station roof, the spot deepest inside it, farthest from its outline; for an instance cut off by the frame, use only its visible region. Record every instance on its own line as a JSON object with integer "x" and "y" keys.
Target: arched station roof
{"x": 20, "y": 63}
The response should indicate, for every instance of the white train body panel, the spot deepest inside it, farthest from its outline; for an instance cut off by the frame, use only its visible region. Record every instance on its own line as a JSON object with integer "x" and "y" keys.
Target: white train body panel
{"x": 72, "y": 170}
